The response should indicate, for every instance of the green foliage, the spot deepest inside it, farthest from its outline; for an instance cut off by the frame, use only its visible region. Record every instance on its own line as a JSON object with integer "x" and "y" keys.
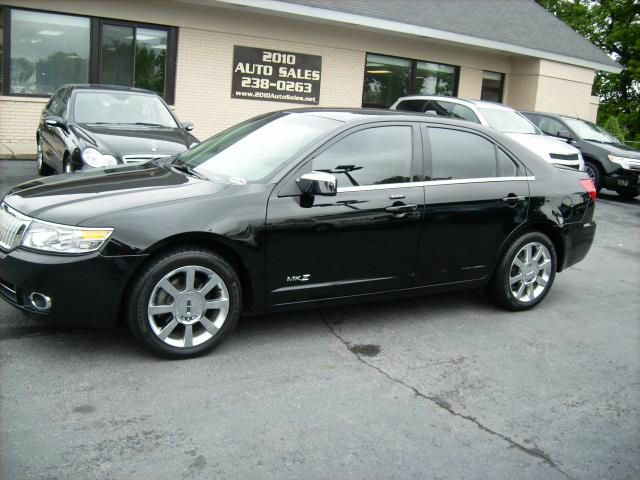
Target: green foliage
{"x": 613, "y": 26}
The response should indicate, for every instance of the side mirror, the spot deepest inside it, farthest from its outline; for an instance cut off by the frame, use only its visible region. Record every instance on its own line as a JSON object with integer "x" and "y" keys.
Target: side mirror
{"x": 188, "y": 126}
{"x": 54, "y": 121}
{"x": 565, "y": 135}
{"x": 318, "y": 183}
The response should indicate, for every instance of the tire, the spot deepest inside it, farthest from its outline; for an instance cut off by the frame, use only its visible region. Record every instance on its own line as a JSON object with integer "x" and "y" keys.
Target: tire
{"x": 67, "y": 165}
{"x": 528, "y": 275}
{"x": 594, "y": 173}
{"x": 180, "y": 310}
{"x": 629, "y": 193}
{"x": 43, "y": 169}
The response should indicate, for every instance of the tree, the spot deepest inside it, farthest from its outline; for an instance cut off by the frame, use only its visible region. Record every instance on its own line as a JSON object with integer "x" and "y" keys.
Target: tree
{"x": 613, "y": 26}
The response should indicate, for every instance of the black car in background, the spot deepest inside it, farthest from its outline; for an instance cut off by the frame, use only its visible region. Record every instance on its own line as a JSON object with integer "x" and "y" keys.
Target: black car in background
{"x": 610, "y": 163}
{"x": 292, "y": 209}
{"x": 92, "y": 126}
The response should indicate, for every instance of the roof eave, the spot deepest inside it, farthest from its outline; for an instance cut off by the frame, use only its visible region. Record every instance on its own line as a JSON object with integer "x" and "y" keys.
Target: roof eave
{"x": 279, "y": 7}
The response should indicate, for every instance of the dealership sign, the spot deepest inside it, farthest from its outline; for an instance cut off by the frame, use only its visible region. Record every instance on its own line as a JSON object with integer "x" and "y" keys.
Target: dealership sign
{"x": 276, "y": 76}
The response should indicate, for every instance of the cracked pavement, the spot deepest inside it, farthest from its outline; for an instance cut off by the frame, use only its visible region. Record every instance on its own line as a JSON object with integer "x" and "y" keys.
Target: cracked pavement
{"x": 438, "y": 387}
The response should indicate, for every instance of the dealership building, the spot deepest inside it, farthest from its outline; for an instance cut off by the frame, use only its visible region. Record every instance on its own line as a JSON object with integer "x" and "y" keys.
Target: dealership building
{"x": 219, "y": 62}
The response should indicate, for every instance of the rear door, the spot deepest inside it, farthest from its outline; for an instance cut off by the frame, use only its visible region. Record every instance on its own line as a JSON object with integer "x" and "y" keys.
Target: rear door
{"x": 362, "y": 240}
{"x": 475, "y": 196}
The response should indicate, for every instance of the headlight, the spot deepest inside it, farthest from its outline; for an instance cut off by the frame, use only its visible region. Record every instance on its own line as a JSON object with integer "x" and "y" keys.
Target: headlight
{"x": 94, "y": 158}
{"x": 622, "y": 161}
{"x": 50, "y": 237}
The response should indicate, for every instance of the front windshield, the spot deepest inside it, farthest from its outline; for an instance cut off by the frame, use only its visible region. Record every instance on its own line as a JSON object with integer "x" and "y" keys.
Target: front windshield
{"x": 589, "y": 131}
{"x": 255, "y": 149}
{"x": 121, "y": 108}
{"x": 508, "y": 121}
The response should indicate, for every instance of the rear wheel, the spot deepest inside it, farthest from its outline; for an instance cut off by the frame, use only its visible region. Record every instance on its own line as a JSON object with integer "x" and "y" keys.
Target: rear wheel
{"x": 525, "y": 273}
{"x": 43, "y": 168}
{"x": 594, "y": 173}
{"x": 629, "y": 193}
{"x": 184, "y": 303}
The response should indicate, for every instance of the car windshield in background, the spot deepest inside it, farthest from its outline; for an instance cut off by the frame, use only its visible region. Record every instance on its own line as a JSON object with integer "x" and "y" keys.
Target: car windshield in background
{"x": 508, "y": 121}
{"x": 589, "y": 131}
{"x": 121, "y": 108}
{"x": 255, "y": 149}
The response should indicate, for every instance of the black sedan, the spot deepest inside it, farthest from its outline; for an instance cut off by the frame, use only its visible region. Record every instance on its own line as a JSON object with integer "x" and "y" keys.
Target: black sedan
{"x": 292, "y": 209}
{"x": 93, "y": 126}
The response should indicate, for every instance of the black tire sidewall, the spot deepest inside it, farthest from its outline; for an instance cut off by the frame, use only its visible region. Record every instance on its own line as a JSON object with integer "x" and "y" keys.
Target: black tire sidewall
{"x": 143, "y": 286}
{"x": 500, "y": 288}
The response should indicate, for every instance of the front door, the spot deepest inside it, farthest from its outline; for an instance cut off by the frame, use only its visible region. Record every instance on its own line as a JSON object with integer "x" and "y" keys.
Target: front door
{"x": 362, "y": 240}
{"x": 477, "y": 195}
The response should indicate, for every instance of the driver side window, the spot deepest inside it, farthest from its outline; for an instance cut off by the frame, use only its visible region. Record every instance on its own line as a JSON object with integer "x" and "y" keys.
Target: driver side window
{"x": 372, "y": 156}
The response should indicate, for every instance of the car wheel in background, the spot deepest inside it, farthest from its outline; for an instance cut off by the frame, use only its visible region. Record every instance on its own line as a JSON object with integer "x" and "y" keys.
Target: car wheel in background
{"x": 67, "y": 166}
{"x": 629, "y": 193}
{"x": 184, "y": 303}
{"x": 43, "y": 168}
{"x": 525, "y": 273}
{"x": 594, "y": 173}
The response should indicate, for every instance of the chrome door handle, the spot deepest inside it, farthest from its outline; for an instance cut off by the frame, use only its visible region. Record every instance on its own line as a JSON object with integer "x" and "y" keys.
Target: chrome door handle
{"x": 402, "y": 208}
{"x": 514, "y": 198}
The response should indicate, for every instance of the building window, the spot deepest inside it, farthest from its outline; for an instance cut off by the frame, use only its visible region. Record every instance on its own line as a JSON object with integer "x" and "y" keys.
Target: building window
{"x": 389, "y": 78}
{"x": 48, "y": 50}
{"x": 134, "y": 57}
{"x": 492, "y": 86}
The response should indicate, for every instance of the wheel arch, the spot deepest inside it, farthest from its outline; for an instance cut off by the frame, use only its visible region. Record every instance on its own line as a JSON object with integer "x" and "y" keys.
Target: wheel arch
{"x": 207, "y": 241}
{"x": 548, "y": 228}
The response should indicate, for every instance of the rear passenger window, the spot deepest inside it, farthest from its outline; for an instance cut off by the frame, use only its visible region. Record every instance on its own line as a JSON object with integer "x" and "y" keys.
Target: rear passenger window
{"x": 411, "y": 106}
{"x": 464, "y": 113}
{"x": 458, "y": 155}
{"x": 369, "y": 157}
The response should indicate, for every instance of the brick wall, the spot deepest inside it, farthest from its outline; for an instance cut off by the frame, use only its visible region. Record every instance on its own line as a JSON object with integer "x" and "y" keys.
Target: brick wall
{"x": 19, "y": 119}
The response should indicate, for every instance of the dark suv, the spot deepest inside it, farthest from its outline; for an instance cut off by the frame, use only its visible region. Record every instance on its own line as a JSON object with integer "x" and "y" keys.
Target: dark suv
{"x": 610, "y": 163}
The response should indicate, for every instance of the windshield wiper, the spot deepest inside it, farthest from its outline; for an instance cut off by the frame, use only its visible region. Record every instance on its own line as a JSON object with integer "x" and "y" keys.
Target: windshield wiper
{"x": 181, "y": 167}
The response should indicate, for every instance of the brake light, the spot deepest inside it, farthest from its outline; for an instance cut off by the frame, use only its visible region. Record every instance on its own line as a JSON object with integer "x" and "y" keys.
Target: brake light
{"x": 590, "y": 187}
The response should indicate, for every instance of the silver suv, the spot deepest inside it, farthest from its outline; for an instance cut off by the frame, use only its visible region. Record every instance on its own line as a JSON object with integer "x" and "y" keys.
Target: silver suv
{"x": 499, "y": 117}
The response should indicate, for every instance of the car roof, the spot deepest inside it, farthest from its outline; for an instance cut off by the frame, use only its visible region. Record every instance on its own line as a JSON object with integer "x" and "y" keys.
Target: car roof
{"x": 461, "y": 101}
{"x": 103, "y": 87}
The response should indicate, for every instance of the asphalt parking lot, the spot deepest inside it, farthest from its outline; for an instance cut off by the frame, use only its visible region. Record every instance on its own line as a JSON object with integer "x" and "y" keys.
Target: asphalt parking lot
{"x": 439, "y": 387}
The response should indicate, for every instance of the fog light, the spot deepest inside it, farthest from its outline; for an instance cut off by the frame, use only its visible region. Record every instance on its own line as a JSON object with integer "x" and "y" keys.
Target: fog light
{"x": 623, "y": 182}
{"x": 40, "y": 301}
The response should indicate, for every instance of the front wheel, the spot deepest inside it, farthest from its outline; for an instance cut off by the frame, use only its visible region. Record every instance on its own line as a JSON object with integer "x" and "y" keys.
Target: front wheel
{"x": 525, "y": 273}
{"x": 184, "y": 303}
{"x": 594, "y": 173}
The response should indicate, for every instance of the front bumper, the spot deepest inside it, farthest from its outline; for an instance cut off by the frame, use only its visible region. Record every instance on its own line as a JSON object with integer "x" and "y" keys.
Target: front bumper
{"x": 621, "y": 178}
{"x": 85, "y": 290}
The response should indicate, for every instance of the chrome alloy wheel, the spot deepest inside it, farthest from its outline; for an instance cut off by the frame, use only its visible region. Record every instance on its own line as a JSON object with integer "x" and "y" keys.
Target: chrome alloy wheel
{"x": 188, "y": 306}
{"x": 591, "y": 172}
{"x": 530, "y": 272}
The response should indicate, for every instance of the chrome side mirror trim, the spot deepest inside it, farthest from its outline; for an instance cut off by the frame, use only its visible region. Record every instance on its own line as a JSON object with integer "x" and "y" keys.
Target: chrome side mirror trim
{"x": 318, "y": 183}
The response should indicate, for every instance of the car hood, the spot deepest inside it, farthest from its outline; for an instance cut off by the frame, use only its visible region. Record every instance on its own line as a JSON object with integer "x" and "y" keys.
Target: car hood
{"x": 617, "y": 149}
{"x": 543, "y": 145}
{"x": 75, "y": 198}
{"x": 133, "y": 140}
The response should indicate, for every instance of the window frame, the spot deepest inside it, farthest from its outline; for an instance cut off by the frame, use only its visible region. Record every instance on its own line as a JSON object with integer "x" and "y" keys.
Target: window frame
{"x": 95, "y": 60}
{"x": 412, "y": 80}
{"x": 502, "y": 81}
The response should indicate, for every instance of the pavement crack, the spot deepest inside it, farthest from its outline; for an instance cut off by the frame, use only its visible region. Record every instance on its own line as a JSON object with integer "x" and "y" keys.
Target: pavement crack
{"x": 444, "y": 405}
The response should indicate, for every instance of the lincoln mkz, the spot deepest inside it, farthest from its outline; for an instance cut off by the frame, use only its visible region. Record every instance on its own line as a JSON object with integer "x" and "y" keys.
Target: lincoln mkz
{"x": 297, "y": 208}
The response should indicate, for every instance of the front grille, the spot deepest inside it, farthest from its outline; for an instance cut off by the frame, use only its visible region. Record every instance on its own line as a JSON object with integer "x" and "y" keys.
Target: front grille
{"x": 12, "y": 226}
{"x": 560, "y": 156}
{"x": 141, "y": 157}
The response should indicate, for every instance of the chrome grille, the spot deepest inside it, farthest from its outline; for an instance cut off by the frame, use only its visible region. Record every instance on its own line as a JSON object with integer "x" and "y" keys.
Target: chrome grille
{"x": 141, "y": 157}
{"x": 12, "y": 226}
